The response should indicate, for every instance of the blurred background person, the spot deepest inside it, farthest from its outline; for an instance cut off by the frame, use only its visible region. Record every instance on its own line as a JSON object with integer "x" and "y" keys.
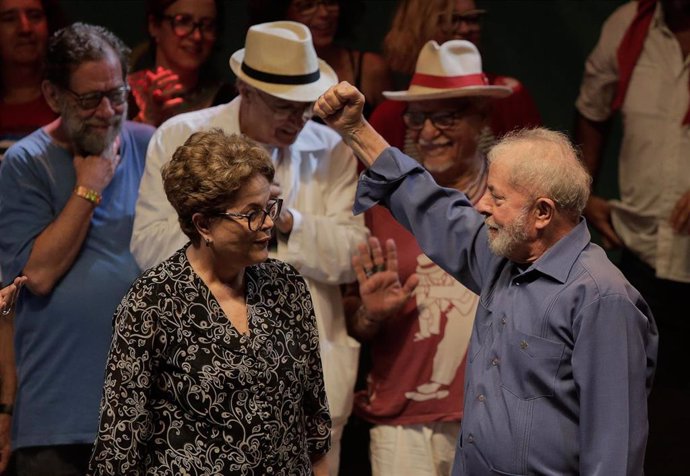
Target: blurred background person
{"x": 315, "y": 176}
{"x": 640, "y": 68}
{"x": 174, "y": 71}
{"x": 417, "y": 21}
{"x": 329, "y": 21}
{"x": 414, "y": 391}
{"x": 24, "y": 29}
{"x": 218, "y": 344}
{"x": 67, "y": 193}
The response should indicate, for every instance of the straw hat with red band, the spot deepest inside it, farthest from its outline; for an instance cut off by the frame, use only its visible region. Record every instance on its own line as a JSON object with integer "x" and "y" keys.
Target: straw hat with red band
{"x": 279, "y": 59}
{"x": 450, "y": 70}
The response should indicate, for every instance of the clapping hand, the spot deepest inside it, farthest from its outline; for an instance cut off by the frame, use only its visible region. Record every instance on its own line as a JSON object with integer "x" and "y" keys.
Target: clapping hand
{"x": 158, "y": 95}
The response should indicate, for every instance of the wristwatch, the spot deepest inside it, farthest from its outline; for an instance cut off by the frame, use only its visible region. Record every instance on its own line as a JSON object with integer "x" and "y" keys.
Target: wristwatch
{"x": 6, "y": 408}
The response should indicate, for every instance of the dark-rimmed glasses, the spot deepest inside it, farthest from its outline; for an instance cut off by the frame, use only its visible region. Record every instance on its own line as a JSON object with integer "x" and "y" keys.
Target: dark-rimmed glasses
{"x": 184, "y": 25}
{"x": 309, "y": 7}
{"x": 116, "y": 97}
{"x": 257, "y": 218}
{"x": 440, "y": 120}
{"x": 285, "y": 110}
{"x": 471, "y": 19}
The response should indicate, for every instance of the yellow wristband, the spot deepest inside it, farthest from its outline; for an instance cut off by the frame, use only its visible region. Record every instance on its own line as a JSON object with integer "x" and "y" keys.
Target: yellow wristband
{"x": 88, "y": 194}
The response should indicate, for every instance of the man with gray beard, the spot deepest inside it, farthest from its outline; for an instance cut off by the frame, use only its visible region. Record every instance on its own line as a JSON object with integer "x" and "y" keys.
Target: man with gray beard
{"x": 67, "y": 197}
{"x": 563, "y": 349}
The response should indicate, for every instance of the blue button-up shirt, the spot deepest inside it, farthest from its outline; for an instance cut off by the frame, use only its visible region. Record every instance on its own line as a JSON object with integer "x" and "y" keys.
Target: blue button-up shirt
{"x": 562, "y": 353}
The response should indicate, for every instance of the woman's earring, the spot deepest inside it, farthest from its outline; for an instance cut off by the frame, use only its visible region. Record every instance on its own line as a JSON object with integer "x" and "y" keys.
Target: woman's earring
{"x": 208, "y": 242}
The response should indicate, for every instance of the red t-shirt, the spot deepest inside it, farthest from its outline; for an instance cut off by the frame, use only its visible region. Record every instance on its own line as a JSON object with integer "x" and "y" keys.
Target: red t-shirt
{"x": 19, "y": 120}
{"x": 418, "y": 356}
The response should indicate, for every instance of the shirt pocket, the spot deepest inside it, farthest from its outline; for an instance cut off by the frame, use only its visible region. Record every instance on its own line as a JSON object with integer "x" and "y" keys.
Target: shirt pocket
{"x": 529, "y": 365}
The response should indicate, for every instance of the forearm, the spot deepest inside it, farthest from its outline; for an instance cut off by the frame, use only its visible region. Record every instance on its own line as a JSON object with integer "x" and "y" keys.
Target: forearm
{"x": 56, "y": 248}
{"x": 365, "y": 142}
{"x": 591, "y": 137}
{"x": 8, "y": 375}
{"x": 361, "y": 325}
{"x": 319, "y": 467}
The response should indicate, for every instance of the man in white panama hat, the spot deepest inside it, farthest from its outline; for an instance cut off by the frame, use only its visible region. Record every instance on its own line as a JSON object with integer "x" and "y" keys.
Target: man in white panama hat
{"x": 415, "y": 386}
{"x": 279, "y": 78}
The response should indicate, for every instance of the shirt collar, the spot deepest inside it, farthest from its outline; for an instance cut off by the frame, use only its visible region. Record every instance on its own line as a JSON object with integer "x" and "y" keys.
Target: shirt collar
{"x": 560, "y": 258}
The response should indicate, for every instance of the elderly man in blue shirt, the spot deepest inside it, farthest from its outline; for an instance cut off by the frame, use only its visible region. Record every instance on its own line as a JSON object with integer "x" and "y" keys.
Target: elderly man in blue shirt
{"x": 563, "y": 349}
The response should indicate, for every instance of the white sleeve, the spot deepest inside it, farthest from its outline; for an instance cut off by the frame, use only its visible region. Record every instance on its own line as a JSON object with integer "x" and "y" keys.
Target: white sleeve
{"x": 600, "y": 79}
{"x": 325, "y": 234}
{"x": 156, "y": 233}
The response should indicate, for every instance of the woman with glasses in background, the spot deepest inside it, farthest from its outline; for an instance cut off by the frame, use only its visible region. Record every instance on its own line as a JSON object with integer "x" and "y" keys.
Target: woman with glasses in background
{"x": 329, "y": 21}
{"x": 214, "y": 366}
{"x": 175, "y": 73}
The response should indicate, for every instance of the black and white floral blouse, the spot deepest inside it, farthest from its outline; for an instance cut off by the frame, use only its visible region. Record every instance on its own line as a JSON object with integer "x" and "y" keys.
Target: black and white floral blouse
{"x": 186, "y": 394}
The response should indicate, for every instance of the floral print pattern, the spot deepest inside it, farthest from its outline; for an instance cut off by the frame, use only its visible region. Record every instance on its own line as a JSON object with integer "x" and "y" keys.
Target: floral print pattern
{"x": 187, "y": 394}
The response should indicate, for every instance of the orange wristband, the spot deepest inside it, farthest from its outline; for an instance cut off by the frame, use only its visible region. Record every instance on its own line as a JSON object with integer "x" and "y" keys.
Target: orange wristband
{"x": 88, "y": 194}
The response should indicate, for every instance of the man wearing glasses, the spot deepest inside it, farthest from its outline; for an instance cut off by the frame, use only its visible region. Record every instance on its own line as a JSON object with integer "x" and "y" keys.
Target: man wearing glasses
{"x": 279, "y": 78}
{"x": 67, "y": 197}
{"x": 415, "y": 386}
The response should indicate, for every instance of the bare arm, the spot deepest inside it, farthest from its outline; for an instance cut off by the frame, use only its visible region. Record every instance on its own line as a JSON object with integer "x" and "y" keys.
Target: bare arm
{"x": 591, "y": 136}
{"x": 8, "y": 375}
{"x": 58, "y": 245}
{"x": 319, "y": 467}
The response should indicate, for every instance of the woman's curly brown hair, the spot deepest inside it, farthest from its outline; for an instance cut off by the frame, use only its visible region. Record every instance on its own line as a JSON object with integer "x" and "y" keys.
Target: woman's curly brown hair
{"x": 206, "y": 173}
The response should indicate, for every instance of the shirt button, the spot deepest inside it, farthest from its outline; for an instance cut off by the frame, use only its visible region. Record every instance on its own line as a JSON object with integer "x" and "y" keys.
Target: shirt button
{"x": 495, "y": 361}
{"x": 481, "y": 398}
{"x": 470, "y": 438}
{"x": 523, "y": 344}
{"x": 503, "y": 321}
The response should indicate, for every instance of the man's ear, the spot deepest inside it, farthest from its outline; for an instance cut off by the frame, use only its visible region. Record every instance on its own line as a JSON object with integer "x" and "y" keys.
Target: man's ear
{"x": 245, "y": 91}
{"x": 544, "y": 210}
{"x": 52, "y": 95}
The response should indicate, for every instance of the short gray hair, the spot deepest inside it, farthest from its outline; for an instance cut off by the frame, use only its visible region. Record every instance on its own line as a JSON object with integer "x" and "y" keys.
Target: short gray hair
{"x": 546, "y": 164}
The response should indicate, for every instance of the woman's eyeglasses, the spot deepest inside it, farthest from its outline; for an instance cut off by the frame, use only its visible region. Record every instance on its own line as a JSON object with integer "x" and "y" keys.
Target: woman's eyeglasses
{"x": 473, "y": 19}
{"x": 309, "y": 7}
{"x": 184, "y": 25}
{"x": 257, "y": 218}
{"x": 89, "y": 101}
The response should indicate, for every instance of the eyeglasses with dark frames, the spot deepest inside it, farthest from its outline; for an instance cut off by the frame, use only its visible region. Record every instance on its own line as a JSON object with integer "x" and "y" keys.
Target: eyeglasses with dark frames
{"x": 472, "y": 19}
{"x": 184, "y": 25}
{"x": 309, "y": 7}
{"x": 257, "y": 218}
{"x": 440, "y": 120}
{"x": 116, "y": 97}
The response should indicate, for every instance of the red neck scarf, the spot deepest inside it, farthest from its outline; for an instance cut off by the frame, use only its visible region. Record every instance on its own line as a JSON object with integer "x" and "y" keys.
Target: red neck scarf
{"x": 630, "y": 49}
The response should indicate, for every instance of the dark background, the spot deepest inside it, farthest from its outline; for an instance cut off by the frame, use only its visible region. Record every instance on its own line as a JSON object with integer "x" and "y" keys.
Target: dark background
{"x": 543, "y": 43}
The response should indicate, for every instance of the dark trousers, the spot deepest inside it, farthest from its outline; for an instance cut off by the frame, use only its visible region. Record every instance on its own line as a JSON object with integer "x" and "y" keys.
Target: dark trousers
{"x": 669, "y": 402}
{"x": 61, "y": 460}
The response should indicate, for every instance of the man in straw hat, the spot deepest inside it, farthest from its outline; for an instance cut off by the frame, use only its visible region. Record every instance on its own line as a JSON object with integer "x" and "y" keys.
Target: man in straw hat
{"x": 563, "y": 348}
{"x": 279, "y": 77}
{"x": 415, "y": 387}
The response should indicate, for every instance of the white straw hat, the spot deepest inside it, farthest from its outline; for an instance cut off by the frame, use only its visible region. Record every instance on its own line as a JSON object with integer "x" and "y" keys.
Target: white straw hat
{"x": 279, "y": 59}
{"x": 453, "y": 69}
